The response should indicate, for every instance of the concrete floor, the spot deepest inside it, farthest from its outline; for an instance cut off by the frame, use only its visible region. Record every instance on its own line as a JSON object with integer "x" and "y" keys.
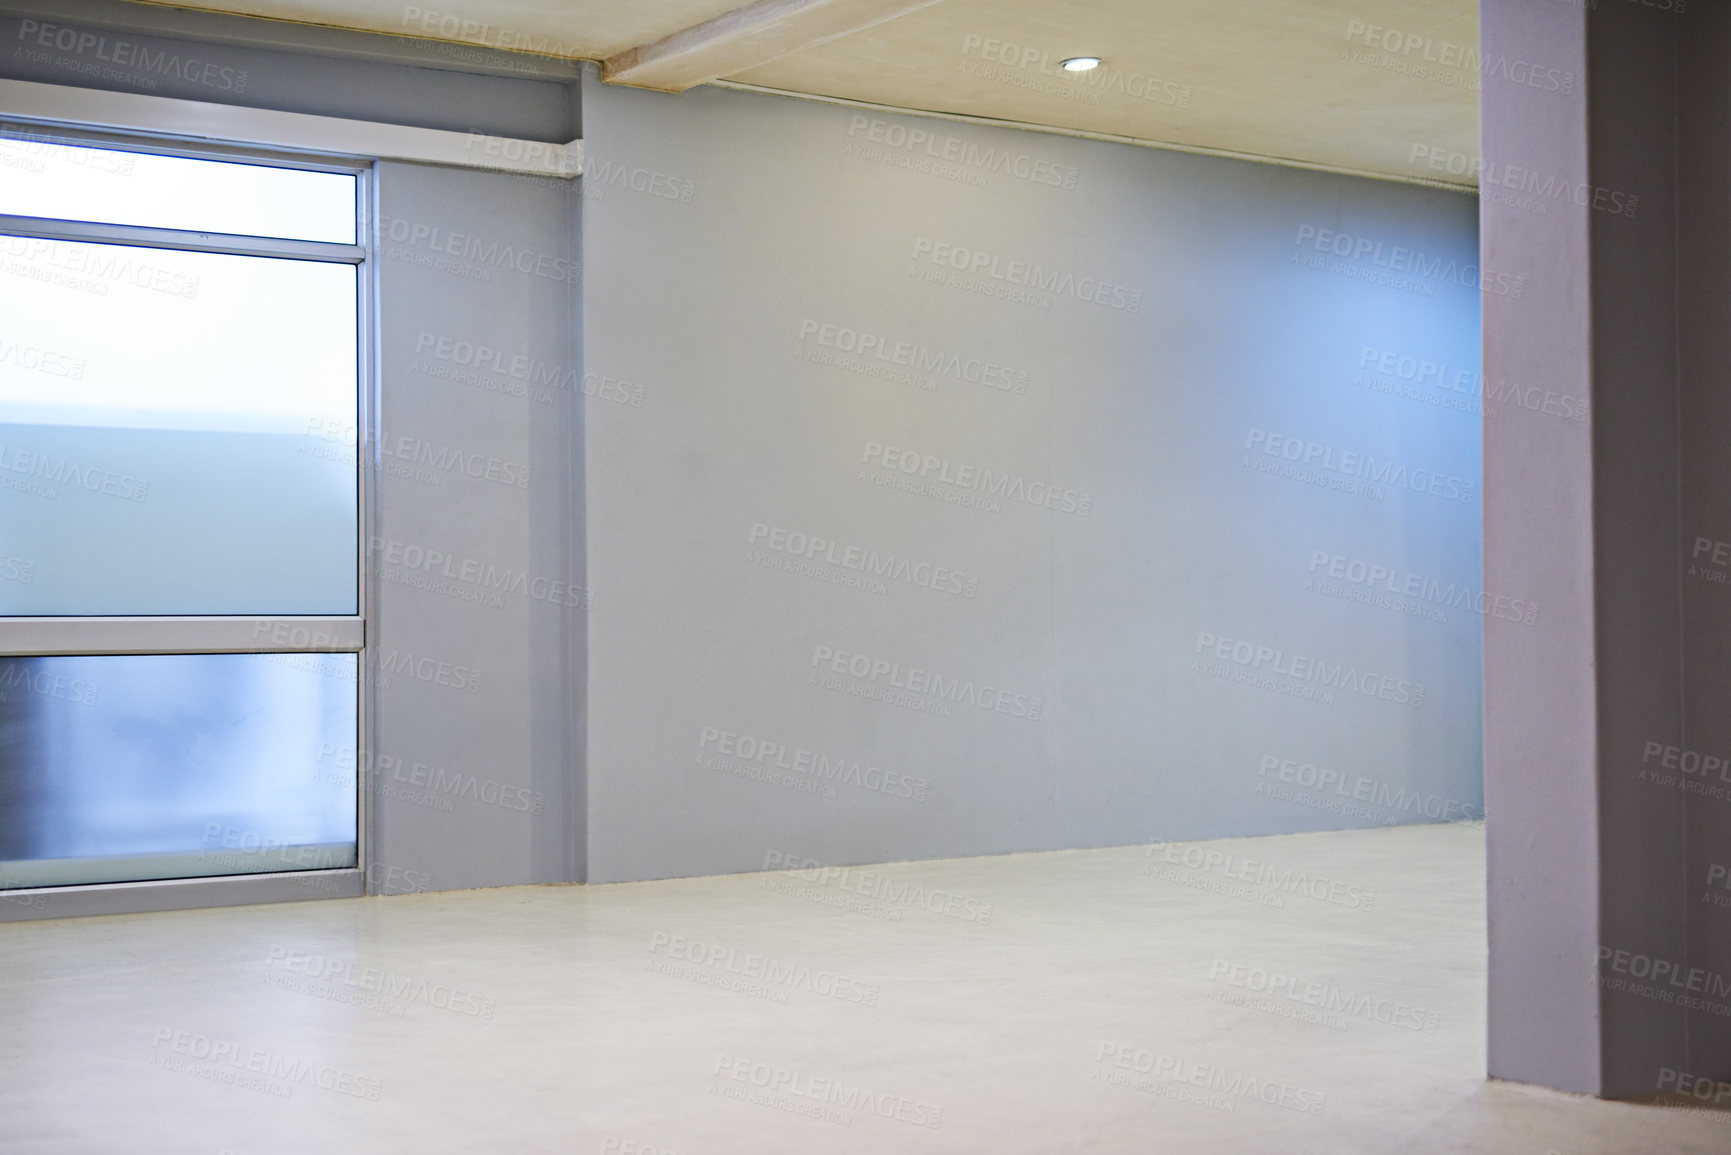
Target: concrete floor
{"x": 1085, "y": 1001}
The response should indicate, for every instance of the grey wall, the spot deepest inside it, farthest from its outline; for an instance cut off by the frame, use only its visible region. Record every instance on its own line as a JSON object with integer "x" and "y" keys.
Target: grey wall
{"x": 1160, "y": 653}
{"x": 476, "y": 552}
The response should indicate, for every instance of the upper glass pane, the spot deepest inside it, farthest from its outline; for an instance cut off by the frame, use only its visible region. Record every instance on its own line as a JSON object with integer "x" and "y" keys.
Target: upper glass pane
{"x": 177, "y": 432}
{"x": 40, "y": 177}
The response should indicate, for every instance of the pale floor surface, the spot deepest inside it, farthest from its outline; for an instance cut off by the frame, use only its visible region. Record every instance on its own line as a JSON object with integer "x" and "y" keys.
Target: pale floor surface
{"x": 558, "y": 1019}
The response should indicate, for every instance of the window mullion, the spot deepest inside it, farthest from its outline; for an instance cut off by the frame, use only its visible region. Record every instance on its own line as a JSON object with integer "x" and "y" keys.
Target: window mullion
{"x": 144, "y": 236}
{"x": 33, "y": 637}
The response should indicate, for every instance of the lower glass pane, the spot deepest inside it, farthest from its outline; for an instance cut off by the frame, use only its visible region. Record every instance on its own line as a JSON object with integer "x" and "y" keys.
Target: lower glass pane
{"x": 122, "y": 768}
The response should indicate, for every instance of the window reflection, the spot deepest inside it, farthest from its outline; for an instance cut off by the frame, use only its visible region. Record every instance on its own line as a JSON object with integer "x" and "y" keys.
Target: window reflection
{"x": 115, "y": 768}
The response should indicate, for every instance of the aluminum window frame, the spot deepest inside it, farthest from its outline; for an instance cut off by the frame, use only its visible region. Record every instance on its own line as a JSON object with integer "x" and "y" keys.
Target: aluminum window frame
{"x": 34, "y": 636}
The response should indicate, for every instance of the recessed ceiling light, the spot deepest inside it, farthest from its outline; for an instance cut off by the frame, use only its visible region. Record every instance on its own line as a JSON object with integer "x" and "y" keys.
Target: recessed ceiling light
{"x": 1079, "y": 63}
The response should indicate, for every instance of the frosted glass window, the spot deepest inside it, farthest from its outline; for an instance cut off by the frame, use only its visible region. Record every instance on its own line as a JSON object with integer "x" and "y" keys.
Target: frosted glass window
{"x": 114, "y": 769}
{"x": 177, "y": 432}
{"x": 40, "y": 177}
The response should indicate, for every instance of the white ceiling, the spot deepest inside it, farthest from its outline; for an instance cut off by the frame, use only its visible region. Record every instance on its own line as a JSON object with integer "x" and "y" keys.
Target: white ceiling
{"x": 1288, "y": 79}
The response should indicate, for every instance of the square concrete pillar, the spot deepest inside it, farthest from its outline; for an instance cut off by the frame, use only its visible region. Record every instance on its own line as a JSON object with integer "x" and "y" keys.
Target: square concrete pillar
{"x": 1604, "y": 215}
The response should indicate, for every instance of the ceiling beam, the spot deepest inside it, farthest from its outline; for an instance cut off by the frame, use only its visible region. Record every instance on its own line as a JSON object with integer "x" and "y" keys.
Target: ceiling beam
{"x": 745, "y": 38}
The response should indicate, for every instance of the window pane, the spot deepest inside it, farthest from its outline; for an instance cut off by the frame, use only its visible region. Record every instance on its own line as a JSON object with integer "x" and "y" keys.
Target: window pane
{"x": 177, "y": 432}
{"x": 42, "y": 178}
{"x": 114, "y": 769}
